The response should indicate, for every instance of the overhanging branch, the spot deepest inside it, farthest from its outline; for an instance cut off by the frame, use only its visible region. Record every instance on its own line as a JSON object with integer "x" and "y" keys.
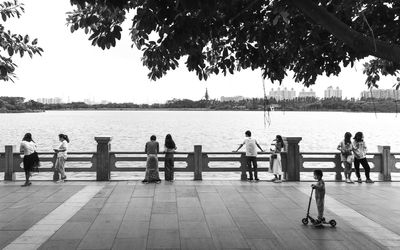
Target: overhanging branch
{"x": 356, "y": 40}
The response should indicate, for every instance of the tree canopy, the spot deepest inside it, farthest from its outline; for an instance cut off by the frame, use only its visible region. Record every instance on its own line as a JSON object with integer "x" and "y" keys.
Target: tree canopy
{"x": 13, "y": 44}
{"x": 307, "y": 37}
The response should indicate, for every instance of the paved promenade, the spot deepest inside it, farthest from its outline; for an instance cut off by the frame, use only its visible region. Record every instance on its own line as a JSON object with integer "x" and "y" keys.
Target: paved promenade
{"x": 195, "y": 215}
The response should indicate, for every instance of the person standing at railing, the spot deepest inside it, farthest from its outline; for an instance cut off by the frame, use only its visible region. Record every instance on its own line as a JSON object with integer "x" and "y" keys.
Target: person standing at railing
{"x": 275, "y": 160}
{"x": 251, "y": 154}
{"x": 169, "y": 149}
{"x": 360, "y": 156}
{"x": 28, "y": 148}
{"x": 346, "y": 156}
{"x": 151, "y": 149}
{"x": 61, "y": 156}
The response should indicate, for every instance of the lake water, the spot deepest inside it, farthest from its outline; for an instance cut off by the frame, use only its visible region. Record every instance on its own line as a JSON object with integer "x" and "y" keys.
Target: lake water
{"x": 215, "y": 130}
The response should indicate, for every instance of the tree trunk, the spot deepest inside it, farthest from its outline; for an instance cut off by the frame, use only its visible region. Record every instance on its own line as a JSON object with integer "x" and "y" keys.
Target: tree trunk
{"x": 357, "y": 41}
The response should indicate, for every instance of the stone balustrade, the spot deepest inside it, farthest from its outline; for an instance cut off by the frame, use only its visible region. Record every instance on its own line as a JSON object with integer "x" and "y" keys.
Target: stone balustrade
{"x": 104, "y": 161}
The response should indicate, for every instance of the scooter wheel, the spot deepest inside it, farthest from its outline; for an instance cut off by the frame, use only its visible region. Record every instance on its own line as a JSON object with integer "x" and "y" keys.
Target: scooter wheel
{"x": 305, "y": 221}
{"x": 332, "y": 223}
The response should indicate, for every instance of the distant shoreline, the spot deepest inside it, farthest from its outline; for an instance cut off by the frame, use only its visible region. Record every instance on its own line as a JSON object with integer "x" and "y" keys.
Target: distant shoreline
{"x": 180, "y": 109}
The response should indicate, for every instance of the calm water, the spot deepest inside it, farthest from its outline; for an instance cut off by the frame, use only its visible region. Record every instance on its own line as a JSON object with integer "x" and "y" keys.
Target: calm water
{"x": 215, "y": 130}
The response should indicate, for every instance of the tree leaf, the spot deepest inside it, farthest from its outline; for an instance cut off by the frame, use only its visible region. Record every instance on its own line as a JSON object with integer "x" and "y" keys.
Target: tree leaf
{"x": 10, "y": 51}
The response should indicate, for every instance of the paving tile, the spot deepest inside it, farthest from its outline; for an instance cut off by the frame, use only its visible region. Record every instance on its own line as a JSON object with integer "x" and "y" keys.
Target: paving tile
{"x": 98, "y": 239}
{"x": 229, "y": 239}
{"x": 164, "y": 221}
{"x": 164, "y": 207}
{"x": 60, "y": 245}
{"x": 190, "y": 214}
{"x": 188, "y": 202}
{"x": 133, "y": 229}
{"x": 165, "y": 197}
{"x": 220, "y": 221}
{"x": 130, "y": 244}
{"x": 138, "y": 214}
{"x": 192, "y": 230}
{"x": 163, "y": 238}
{"x": 264, "y": 244}
{"x": 144, "y": 202}
{"x": 255, "y": 230}
{"x": 197, "y": 244}
{"x": 107, "y": 222}
{"x": 72, "y": 231}
{"x": 331, "y": 244}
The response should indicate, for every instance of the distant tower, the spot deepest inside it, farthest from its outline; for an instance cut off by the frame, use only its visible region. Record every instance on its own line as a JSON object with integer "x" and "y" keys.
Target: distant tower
{"x": 206, "y": 96}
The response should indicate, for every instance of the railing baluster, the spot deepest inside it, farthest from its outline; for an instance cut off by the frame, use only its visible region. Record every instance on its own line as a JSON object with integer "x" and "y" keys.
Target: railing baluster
{"x": 198, "y": 163}
{"x": 385, "y": 173}
{"x": 9, "y": 174}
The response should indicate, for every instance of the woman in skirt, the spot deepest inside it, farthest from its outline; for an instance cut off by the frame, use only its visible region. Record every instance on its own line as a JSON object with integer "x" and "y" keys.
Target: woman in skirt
{"x": 276, "y": 162}
{"x": 28, "y": 148}
{"x": 169, "y": 148}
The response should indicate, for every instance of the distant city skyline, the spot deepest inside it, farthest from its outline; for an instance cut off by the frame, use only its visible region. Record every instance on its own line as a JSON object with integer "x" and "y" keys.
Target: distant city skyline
{"x": 278, "y": 94}
{"x": 70, "y": 66}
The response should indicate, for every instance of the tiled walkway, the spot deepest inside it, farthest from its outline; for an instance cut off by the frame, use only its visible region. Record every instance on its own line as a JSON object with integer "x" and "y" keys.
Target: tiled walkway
{"x": 195, "y": 215}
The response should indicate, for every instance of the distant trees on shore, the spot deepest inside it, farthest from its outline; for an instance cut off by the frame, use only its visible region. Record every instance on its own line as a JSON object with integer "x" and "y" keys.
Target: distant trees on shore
{"x": 18, "y": 104}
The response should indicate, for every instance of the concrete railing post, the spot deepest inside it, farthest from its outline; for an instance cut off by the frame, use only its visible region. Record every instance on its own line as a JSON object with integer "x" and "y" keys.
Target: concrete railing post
{"x": 56, "y": 174}
{"x": 103, "y": 172}
{"x": 385, "y": 173}
{"x": 243, "y": 167}
{"x": 338, "y": 168}
{"x": 198, "y": 163}
{"x": 293, "y": 158}
{"x": 9, "y": 174}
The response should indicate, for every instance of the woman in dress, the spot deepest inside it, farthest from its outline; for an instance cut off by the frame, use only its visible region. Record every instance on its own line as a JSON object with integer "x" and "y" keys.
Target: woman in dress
{"x": 276, "y": 162}
{"x": 169, "y": 149}
{"x": 346, "y": 155}
{"x": 151, "y": 149}
{"x": 360, "y": 156}
{"x": 61, "y": 155}
{"x": 28, "y": 148}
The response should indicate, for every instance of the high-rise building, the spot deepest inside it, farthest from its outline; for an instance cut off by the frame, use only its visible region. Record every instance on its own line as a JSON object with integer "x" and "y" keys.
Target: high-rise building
{"x": 330, "y": 92}
{"x": 382, "y": 94}
{"x": 54, "y": 100}
{"x": 303, "y": 93}
{"x": 283, "y": 94}
{"x": 232, "y": 98}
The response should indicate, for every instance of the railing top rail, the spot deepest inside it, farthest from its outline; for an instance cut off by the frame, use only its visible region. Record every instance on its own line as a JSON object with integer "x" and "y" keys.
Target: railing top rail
{"x": 331, "y": 153}
{"x": 143, "y": 153}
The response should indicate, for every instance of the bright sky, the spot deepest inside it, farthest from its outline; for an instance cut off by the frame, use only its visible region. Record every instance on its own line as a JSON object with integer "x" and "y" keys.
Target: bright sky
{"x": 71, "y": 67}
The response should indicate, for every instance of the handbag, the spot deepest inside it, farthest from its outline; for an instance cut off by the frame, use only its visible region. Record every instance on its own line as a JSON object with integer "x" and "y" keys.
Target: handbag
{"x": 274, "y": 156}
{"x": 350, "y": 158}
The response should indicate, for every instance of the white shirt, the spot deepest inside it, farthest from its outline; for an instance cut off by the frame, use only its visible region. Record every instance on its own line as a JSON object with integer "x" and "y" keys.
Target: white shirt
{"x": 27, "y": 147}
{"x": 251, "y": 149}
{"x": 63, "y": 146}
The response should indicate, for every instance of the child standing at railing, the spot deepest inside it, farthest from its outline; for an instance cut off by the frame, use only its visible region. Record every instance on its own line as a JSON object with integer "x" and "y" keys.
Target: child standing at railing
{"x": 319, "y": 195}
